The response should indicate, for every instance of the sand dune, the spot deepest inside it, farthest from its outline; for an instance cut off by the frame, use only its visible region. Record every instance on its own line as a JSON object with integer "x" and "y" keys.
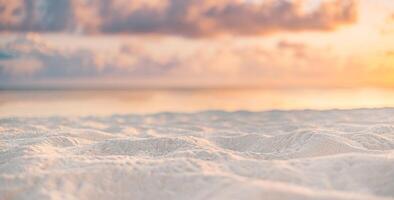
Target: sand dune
{"x": 335, "y": 154}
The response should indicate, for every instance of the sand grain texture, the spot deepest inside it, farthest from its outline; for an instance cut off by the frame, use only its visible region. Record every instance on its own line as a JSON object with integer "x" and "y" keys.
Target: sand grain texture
{"x": 336, "y": 154}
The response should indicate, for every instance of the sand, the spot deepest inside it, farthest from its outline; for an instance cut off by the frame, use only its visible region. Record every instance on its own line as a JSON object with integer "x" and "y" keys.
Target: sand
{"x": 335, "y": 154}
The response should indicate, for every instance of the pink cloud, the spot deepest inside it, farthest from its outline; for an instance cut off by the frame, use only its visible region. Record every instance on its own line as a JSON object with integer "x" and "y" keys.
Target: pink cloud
{"x": 193, "y": 18}
{"x": 30, "y": 60}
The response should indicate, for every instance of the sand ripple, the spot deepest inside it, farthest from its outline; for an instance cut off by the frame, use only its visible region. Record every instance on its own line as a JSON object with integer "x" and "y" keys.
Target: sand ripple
{"x": 334, "y": 154}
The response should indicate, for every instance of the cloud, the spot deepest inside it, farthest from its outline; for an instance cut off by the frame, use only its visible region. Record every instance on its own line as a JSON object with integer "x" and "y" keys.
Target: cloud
{"x": 29, "y": 60}
{"x": 30, "y": 57}
{"x": 31, "y": 15}
{"x": 20, "y": 67}
{"x": 192, "y": 18}
{"x": 297, "y": 48}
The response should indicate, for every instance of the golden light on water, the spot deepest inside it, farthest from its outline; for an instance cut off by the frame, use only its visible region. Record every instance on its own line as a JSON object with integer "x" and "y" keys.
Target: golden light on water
{"x": 89, "y": 102}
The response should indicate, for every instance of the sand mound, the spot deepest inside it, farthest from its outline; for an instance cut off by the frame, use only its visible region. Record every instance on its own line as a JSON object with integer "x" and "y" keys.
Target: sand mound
{"x": 208, "y": 155}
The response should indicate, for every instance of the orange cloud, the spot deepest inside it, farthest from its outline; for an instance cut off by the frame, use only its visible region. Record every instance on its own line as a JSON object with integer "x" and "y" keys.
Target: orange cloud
{"x": 28, "y": 59}
{"x": 286, "y": 64}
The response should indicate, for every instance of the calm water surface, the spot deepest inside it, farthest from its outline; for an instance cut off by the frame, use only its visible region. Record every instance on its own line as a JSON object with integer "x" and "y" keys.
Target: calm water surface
{"x": 109, "y": 102}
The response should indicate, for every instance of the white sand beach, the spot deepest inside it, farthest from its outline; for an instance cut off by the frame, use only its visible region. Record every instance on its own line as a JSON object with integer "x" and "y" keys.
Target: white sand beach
{"x": 196, "y": 100}
{"x": 333, "y": 154}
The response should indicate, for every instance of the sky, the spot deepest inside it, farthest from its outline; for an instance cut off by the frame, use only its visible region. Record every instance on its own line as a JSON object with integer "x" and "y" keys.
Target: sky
{"x": 197, "y": 43}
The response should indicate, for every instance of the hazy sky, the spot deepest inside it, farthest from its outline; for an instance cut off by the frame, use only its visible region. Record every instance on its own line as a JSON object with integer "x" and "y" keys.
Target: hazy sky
{"x": 199, "y": 43}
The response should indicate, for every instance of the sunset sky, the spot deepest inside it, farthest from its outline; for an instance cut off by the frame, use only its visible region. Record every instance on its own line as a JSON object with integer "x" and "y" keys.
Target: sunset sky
{"x": 197, "y": 43}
